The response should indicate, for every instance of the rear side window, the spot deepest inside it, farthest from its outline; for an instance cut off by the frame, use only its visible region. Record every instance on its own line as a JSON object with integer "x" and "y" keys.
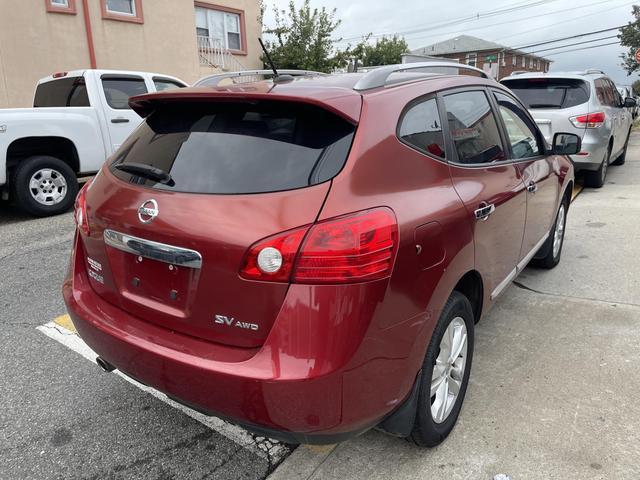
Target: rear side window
{"x": 473, "y": 128}
{"x": 421, "y": 128}
{"x": 65, "y": 92}
{"x": 229, "y": 148}
{"x": 550, "y": 92}
{"x": 163, "y": 84}
{"x": 118, "y": 90}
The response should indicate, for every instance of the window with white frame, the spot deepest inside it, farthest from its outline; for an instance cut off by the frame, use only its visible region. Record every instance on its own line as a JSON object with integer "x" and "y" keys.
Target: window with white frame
{"x": 60, "y": 3}
{"x": 472, "y": 59}
{"x": 537, "y": 64}
{"x": 121, "y": 7}
{"x": 221, "y": 28}
{"x": 501, "y": 59}
{"x": 514, "y": 60}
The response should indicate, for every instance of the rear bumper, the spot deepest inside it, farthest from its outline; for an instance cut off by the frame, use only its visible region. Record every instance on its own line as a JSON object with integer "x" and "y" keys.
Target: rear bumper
{"x": 313, "y": 381}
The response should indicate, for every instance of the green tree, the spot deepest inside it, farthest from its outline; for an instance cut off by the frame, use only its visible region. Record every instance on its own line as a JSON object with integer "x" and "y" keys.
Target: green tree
{"x": 630, "y": 37}
{"x": 302, "y": 38}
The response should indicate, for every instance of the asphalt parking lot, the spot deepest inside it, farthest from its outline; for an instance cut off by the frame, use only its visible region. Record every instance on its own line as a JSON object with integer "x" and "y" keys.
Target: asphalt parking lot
{"x": 553, "y": 395}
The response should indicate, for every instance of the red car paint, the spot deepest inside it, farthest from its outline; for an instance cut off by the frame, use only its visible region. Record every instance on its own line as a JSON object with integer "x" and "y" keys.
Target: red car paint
{"x": 328, "y": 360}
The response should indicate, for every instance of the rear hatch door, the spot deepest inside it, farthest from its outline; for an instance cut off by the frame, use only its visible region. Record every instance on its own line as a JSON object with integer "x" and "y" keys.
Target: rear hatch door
{"x": 168, "y": 248}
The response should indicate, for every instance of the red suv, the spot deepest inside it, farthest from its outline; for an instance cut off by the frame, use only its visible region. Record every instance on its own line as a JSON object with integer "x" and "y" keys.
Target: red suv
{"x": 307, "y": 257}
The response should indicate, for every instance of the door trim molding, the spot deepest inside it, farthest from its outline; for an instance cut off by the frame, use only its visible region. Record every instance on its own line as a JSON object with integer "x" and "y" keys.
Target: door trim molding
{"x": 519, "y": 267}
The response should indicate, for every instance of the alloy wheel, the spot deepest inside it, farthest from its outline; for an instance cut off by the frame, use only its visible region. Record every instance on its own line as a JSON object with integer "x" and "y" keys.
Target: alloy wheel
{"x": 558, "y": 233}
{"x": 48, "y": 186}
{"x": 448, "y": 371}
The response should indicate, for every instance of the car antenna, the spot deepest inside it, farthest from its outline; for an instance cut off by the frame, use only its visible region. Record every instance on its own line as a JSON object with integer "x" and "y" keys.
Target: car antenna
{"x": 277, "y": 78}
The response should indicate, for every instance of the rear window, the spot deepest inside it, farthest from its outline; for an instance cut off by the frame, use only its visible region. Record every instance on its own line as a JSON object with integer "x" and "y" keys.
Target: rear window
{"x": 65, "y": 92}
{"x": 230, "y": 148}
{"x": 550, "y": 92}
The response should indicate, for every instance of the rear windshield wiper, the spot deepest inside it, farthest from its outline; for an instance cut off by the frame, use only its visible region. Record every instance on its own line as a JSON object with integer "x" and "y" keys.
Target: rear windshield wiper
{"x": 544, "y": 105}
{"x": 147, "y": 171}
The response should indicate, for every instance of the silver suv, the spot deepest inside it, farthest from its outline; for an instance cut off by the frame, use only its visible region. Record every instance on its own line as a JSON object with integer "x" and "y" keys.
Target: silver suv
{"x": 585, "y": 103}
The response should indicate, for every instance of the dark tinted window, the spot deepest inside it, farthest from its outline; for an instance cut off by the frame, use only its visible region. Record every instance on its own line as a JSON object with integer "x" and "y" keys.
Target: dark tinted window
{"x": 421, "y": 128}
{"x": 163, "y": 84}
{"x": 473, "y": 128}
{"x": 118, "y": 90}
{"x": 549, "y": 92}
{"x": 520, "y": 130}
{"x": 238, "y": 148}
{"x": 64, "y": 92}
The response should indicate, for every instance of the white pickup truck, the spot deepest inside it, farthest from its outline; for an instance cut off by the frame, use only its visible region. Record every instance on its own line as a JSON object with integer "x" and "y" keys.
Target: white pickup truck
{"x": 78, "y": 119}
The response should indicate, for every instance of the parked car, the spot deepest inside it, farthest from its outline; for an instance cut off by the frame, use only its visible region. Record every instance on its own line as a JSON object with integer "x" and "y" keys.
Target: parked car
{"x": 78, "y": 119}
{"x": 587, "y": 104}
{"x": 308, "y": 257}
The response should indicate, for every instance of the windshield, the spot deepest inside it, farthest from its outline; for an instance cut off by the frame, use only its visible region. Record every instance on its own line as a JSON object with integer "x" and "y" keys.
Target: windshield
{"x": 549, "y": 92}
{"x": 236, "y": 148}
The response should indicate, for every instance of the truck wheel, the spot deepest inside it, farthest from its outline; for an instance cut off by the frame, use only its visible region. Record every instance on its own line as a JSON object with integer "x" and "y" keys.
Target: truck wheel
{"x": 44, "y": 185}
{"x": 445, "y": 373}
{"x": 549, "y": 254}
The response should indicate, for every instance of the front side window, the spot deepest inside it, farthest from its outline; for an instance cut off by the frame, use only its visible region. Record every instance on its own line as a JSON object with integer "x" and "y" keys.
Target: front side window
{"x": 473, "y": 128}
{"x": 520, "y": 132}
{"x": 219, "y": 28}
{"x": 64, "y": 92}
{"x": 421, "y": 128}
{"x": 118, "y": 90}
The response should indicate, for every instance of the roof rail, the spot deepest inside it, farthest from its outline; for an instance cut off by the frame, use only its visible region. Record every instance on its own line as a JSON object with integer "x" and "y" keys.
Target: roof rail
{"x": 214, "y": 80}
{"x": 593, "y": 71}
{"x": 378, "y": 77}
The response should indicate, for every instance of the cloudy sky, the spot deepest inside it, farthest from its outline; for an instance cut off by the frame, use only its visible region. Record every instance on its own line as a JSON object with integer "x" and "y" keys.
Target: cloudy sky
{"x": 423, "y": 22}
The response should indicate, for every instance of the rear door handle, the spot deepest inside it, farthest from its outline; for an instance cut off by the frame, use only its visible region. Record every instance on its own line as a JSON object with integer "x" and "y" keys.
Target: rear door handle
{"x": 485, "y": 211}
{"x": 120, "y": 120}
{"x": 532, "y": 187}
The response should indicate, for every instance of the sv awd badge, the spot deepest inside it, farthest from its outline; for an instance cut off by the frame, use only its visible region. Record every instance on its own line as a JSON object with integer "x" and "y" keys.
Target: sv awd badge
{"x": 232, "y": 322}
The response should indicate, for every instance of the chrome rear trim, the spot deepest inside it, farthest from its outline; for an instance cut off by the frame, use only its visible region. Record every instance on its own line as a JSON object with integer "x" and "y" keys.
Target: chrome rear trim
{"x": 161, "y": 252}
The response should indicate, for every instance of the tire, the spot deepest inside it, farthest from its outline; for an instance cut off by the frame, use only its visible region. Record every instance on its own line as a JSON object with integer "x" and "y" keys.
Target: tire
{"x": 596, "y": 179}
{"x": 623, "y": 156}
{"x": 551, "y": 251}
{"x": 44, "y": 186}
{"x": 429, "y": 430}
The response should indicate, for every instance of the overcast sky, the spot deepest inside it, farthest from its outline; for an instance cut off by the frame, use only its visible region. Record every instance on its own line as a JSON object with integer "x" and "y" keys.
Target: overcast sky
{"x": 420, "y": 22}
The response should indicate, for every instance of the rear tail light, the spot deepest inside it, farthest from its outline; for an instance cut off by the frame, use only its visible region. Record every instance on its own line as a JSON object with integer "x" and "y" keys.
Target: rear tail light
{"x": 80, "y": 211}
{"x": 589, "y": 120}
{"x": 352, "y": 248}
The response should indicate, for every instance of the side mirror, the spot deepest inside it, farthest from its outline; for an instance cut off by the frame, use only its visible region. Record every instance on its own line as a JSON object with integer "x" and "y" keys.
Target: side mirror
{"x": 566, "y": 144}
{"x": 629, "y": 102}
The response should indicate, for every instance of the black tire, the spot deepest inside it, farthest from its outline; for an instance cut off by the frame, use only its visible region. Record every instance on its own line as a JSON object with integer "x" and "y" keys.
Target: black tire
{"x": 426, "y": 431}
{"x": 21, "y": 177}
{"x": 546, "y": 257}
{"x": 596, "y": 179}
{"x": 623, "y": 156}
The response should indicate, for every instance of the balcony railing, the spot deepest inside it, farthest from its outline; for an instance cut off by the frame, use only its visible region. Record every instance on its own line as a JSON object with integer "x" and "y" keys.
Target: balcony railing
{"x": 213, "y": 54}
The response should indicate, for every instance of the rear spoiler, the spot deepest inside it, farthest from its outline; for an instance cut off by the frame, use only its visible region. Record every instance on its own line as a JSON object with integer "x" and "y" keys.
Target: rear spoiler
{"x": 342, "y": 102}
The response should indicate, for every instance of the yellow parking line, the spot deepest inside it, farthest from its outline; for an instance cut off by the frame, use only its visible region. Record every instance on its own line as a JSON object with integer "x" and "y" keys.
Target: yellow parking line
{"x": 577, "y": 188}
{"x": 65, "y": 322}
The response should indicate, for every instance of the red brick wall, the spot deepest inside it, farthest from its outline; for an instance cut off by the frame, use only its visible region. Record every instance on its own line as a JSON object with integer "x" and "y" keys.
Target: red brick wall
{"x": 506, "y": 68}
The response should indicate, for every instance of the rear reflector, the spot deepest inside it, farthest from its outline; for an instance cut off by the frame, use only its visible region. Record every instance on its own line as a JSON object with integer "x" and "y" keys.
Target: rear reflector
{"x": 589, "y": 120}
{"x": 80, "y": 210}
{"x": 352, "y": 248}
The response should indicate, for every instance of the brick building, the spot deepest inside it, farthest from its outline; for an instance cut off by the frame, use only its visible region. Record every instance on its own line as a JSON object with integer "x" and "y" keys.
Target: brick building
{"x": 497, "y": 60}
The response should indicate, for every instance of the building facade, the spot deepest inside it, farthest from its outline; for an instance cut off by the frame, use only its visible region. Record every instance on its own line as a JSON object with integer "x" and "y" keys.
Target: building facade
{"x": 183, "y": 38}
{"x": 498, "y": 60}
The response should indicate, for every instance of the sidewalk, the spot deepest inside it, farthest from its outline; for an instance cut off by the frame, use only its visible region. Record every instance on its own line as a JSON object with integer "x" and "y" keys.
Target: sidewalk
{"x": 554, "y": 386}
